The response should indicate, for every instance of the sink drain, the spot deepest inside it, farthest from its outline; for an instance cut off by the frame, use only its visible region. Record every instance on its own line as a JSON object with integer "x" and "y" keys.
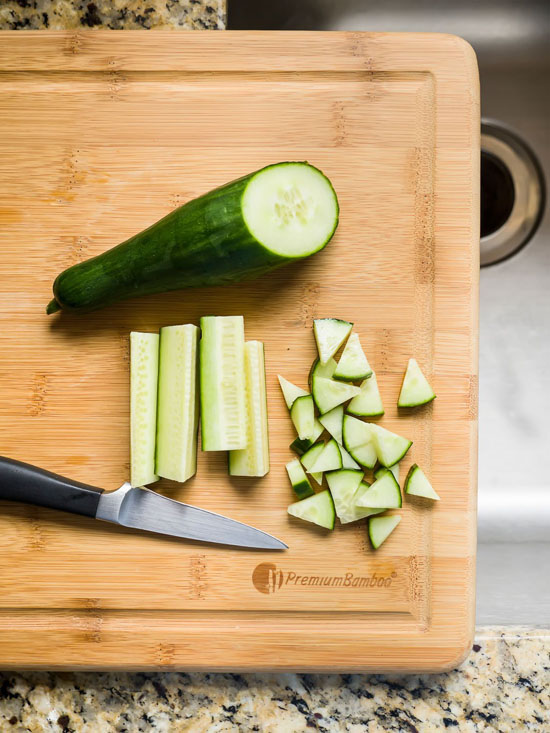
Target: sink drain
{"x": 512, "y": 193}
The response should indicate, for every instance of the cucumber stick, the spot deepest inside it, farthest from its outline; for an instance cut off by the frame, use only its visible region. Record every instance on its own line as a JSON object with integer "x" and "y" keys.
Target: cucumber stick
{"x": 298, "y": 479}
{"x": 380, "y": 528}
{"x": 353, "y": 363}
{"x": 144, "y": 362}
{"x": 416, "y": 389}
{"x": 254, "y": 459}
{"x": 303, "y": 416}
{"x": 417, "y": 484}
{"x": 330, "y": 334}
{"x": 222, "y": 383}
{"x": 368, "y": 402}
{"x": 178, "y": 404}
{"x": 318, "y": 509}
{"x": 273, "y": 216}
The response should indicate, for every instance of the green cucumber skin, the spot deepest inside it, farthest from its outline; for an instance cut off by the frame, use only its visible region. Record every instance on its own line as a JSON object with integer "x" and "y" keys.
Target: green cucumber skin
{"x": 204, "y": 242}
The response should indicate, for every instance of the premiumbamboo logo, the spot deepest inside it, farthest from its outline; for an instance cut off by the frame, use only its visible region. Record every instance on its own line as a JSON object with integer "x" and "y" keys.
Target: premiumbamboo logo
{"x": 268, "y": 578}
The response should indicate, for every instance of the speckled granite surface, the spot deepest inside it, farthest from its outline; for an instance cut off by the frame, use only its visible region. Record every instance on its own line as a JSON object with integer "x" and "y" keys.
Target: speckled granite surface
{"x": 114, "y": 14}
{"x": 503, "y": 686}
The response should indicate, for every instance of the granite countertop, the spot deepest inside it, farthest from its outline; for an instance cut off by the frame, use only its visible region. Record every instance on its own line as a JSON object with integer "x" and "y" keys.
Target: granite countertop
{"x": 504, "y": 685}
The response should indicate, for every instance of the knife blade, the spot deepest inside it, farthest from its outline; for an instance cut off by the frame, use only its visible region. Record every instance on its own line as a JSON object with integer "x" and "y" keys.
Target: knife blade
{"x": 137, "y": 508}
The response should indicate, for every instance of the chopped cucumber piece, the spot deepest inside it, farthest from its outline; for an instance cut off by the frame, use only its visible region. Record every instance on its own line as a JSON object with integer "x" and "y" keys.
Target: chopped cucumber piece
{"x": 353, "y": 363}
{"x": 329, "y": 393}
{"x": 380, "y": 528}
{"x": 368, "y": 403}
{"x": 178, "y": 403}
{"x": 347, "y": 460}
{"x": 330, "y": 459}
{"x": 417, "y": 484}
{"x": 321, "y": 370}
{"x": 318, "y": 509}
{"x": 358, "y": 441}
{"x": 254, "y": 459}
{"x": 390, "y": 447}
{"x": 330, "y": 334}
{"x": 290, "y": 391}
{"x": 303, "y": 416}
{"x": 309, "y": 458}
{"x": 394, "y": 469}
{"x": 332, "y": 421}
{"x": 383, "y": 494}
{"x": 343, "y": 486}
{"x": 298, "y": 479}
{"x": 223, "y": 392}
{"x": 301, "y": 446}
{"x": 144, "y": 364}
{"x": 416, "y": 389}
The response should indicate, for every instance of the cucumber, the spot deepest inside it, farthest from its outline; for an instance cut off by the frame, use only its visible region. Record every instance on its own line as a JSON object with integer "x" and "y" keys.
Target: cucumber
{"x": 330, "y": 334}
{"x": 178, "y": 403}
{"x": 329, "y": 393}
{"x": 290, "y": 391}
{"x": 330, "y": 459}
{"x": 309, "y": 458}
{"x": 254, "y": 459}
{"x": 347, "y": 460}
{"x": 318, "y": 509}
{"x": 301, "y": 446}
{"x": 368, "y": 403}
{"x": 380, "y": 528}
{"x": 394, "y": 469}
{"x": 416, "y": 389}
{"x": 383, "y": 494}
{"x": 358, "y": 441}
{"x": 332, "y": 421}
{"x": 353, "y": 363}
{"x": 390, "y": 447}
{"x": 343, "y": 486}
{"x": 243, "y": 229}
{"x": 303, "y": 416}
{"x": 417, "y": 484}
{"x": 298, "y": 479}
{"x": 222, "y": 381}
{"x": 144, "y": 363}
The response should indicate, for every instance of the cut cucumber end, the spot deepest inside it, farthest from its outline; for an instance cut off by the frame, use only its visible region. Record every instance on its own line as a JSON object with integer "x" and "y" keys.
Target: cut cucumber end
{"x": 416, "y": 389}
{"x": 52, "y": 307}
{"x": 318, "y": 509}
{"x": 417, "y": 484}
{"x": 380, "y": 528}
{"x": 291, "y": 209}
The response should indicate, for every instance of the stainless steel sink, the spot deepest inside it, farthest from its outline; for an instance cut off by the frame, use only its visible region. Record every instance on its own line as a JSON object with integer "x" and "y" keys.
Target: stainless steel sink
{"x": 512, "y": 41}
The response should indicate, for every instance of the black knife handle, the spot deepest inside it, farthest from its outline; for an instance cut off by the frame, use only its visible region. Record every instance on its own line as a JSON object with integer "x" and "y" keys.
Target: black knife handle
{"x": 31, "y": 485}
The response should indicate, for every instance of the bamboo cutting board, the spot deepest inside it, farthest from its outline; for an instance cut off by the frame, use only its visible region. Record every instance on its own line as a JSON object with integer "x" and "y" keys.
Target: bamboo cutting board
{"x": 101, "y": 134}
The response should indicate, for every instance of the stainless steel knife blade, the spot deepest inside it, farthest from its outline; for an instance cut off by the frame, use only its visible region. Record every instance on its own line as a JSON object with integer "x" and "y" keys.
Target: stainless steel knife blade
{"x": 141, "y": 508}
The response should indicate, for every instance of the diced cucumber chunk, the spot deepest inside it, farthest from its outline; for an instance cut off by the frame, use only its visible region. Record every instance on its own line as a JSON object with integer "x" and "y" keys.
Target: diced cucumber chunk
{"x": 303, "y": 416}
{"x": 330, "y": 334}
{"x": 343, "y": 486}
{"x": 301, "y": 446}
{"x": 330, "y": 459}
{"x": 290, "y": 391}
{"x": 222, "y": 378}
{"x": 309, "y": 458}
{"x": 353, "y": 363}
{"x": 368, "y": 402}
{"x": 298, "y": 479}
{"x": 178, "y": 403}
{"x": 347, "y": 460}
{"x": 383, "y": 494}
{"x": 416, "y": 389}
{"x": 321, "y": 370}
{"x": 329, "y": 393}
{"x": 390, "y": 447}
{"x": 394, "y": 469}
{"x": 332, "y": 421}
{"x": 318, "y": 509}
{"x": 417, "y": 484}
{"x": 144, "y": 364}
{"x": 254, "y": 459}
{"x": 358, "y": 441}
{"x": 380, "y": 528}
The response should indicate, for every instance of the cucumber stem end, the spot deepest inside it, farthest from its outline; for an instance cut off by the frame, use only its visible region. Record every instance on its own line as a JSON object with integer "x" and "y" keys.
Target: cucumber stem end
{"x": 52, "y": 307}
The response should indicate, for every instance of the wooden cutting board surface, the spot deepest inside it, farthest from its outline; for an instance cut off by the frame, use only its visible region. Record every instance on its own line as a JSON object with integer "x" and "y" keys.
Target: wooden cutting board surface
{"x": 101, "y": 134}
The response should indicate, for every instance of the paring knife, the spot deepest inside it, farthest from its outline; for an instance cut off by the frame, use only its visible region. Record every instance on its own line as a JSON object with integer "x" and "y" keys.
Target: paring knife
{"x": 138, "y": 508}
